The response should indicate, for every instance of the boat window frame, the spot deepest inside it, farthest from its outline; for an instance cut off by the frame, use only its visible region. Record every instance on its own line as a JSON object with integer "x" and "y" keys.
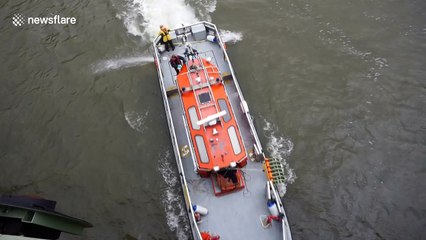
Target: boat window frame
{"x": 228, "y": 116}
{"x": 194, "y": 124}
{"x": 199, "y": 95}
{"x": 234, "y": 139}
{"x": 206, "y": 155}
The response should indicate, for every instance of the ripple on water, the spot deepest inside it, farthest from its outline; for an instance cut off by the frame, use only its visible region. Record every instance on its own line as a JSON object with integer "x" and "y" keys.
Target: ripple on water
{"x": 172, "y": 198}
{"x": 280, "y": 148}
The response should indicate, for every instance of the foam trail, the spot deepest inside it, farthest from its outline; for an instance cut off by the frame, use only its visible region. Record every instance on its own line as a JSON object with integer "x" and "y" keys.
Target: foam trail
{"x": 120, "y": 63}
{"x": 136, "y": 120}
{"x": 172, "y": 199}
{"x": 204, "y": 8}
{"x": 280, "y": 148}
{"x": 337, "y": 37}
{"x": 143, "y": 17}
{"x": 228, "y": 36}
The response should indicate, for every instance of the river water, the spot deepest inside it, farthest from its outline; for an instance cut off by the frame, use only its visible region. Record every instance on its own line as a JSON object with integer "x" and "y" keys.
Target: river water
{"x": 337, "y": 89}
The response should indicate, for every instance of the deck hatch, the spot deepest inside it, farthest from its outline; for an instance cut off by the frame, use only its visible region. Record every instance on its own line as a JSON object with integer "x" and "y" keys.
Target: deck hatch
{"x": 204, "y": 97}
{"x": 202, "y": 151}
{"x": 224, "y": 107}
{"x": 234, "y": 140}
{"x": 194, "y": 118}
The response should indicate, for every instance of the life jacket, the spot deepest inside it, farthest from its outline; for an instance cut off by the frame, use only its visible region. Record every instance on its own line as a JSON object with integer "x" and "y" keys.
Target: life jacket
{"x": 165, "y": 34}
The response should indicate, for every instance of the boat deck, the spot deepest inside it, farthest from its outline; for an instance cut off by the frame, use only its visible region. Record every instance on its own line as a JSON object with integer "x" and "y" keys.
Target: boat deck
{"x": 234, "y": 215}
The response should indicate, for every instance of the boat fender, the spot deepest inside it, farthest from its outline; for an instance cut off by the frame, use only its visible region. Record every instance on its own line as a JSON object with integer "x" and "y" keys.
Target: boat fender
{"x": 161, "y": 48}
{"x": 273, "y": 209}
{"x": 200, "y": 209}
{"x": 211, "y": 38}
{"x": 244, "y": 107}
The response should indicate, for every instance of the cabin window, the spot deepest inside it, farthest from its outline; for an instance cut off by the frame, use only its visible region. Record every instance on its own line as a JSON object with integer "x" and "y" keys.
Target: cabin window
{"x": 194, "y": 118}
{"x": 204, "y": 97}
{"x": 202, "y": 151}
{"x": 234, "y": 140}
{"x": 224, "y": 107}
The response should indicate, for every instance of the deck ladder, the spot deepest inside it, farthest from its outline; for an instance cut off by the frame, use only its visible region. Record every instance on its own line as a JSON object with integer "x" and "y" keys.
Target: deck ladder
{"x": 277, "y": 170}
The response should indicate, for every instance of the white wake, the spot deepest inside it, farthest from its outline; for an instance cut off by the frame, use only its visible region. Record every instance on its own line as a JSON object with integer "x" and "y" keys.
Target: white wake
{"x": 143, "y": 17}
{"x": 120, "y": 63}
{"x": 280, "y": 148}
{"x": 228, "y": 36}
{"x": 172, "y": 199}
{"x": 136, "y": 120}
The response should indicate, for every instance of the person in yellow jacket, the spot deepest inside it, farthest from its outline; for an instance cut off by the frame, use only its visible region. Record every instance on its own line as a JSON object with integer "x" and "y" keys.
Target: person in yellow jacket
{"x": 165, "y": 37}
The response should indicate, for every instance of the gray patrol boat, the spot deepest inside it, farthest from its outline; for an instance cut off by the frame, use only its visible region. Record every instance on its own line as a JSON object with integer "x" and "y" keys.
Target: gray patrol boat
{"x": 231, "y": 189}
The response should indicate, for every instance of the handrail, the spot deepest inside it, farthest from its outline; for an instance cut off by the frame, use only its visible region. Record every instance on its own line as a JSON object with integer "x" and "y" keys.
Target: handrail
{"x": 248, "y": 115}
{"x": 281, "y": 210}
{"x": 208, "y": 81}
{"x": 232, "y": 110}
{"x": 193, "y": 90}
{"x": 175, "y": 145}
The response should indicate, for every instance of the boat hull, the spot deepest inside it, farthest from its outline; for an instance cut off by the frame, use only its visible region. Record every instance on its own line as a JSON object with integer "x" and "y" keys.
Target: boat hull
{"x": 236, "y": 215}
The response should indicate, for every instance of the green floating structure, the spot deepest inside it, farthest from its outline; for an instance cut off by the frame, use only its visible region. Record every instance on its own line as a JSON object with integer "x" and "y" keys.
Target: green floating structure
{"x": 35, "y": 218}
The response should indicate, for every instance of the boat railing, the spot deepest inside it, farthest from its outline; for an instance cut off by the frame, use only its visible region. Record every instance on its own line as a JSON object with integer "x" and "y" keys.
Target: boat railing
{"x": 231, "y": 107}
{"x": 221, "y": 77}
{"x": 193, "y": 89}
{"x": 211, "y": 70}
{"x": 284, "y": 221}
{"x": 213, "y": 67}
{"x": 247, "y": 113}
{"x": 175, "y": 144}
{"x": 208, "y": 83}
